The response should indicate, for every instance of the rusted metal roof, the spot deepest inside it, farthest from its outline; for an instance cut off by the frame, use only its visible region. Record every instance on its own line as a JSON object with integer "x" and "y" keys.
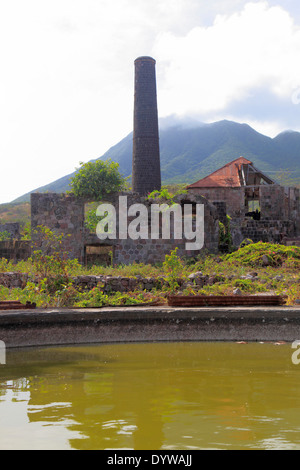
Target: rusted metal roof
{"x": 15, "y": 305}
{"x": 239, "y": 172}
{"x": 225, "y": 300}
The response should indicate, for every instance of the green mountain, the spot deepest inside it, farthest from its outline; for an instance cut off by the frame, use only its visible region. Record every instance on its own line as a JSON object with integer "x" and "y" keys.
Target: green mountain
{"x": 190, "y": 153}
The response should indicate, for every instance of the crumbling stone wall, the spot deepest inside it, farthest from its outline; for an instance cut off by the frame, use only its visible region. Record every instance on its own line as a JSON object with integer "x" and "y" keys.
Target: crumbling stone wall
{"x": 14, "y": 280}
{"x": 280, "y": 212}
{"x": 12, "y": 228}
{"x": 109, "y": 284}
{"x": 63, "y": 214}
{"x": 273, "y": 231}
{"x": 293, "y": 197}
{"x": 154, "y": 250}
{"x": 234, "y": 198}
{"x": 273, "y": 202}
{"x": 15, "y": 250}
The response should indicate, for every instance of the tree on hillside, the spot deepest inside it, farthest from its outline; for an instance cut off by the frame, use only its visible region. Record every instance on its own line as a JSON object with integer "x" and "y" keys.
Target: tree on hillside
{"x": 96, "y": 179}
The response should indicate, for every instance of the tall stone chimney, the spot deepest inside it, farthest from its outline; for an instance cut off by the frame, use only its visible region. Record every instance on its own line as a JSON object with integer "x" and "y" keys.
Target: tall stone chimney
{"x": 146, "y": 175}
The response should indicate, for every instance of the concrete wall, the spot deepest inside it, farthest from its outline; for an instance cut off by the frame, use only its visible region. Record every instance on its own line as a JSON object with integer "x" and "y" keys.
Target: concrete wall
{"x": 67, "y": 326}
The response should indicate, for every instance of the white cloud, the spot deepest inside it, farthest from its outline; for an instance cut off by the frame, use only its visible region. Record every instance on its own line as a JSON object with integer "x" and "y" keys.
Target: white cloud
{"x": 210, "y": 67}
{"x": 66, "y": 78}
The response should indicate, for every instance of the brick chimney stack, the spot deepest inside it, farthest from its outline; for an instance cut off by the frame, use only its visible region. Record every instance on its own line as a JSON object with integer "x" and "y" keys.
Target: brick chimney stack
{"x": 146, "y": 175}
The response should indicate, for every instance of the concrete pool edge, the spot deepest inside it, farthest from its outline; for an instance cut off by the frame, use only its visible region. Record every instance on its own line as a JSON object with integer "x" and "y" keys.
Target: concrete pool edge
{"x": 45, "y": 327}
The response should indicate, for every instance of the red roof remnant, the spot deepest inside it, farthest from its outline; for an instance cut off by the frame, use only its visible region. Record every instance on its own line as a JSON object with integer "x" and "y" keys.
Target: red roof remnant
{"x": 239, "y": 172}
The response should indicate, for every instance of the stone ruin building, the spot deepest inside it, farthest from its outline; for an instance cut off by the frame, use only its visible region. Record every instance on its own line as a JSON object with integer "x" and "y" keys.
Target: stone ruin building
{"x": 259, "y": 208}
{"x": 14, "y": 248}
{"x": 12, "y": 228}
{"x": 65, "y": 214}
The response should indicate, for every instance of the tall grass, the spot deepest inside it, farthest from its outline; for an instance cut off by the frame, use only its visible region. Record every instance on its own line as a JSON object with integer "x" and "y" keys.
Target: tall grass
{"x": 51, "y": 276}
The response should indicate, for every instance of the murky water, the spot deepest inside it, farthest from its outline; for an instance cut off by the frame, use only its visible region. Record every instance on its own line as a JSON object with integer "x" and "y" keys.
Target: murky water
{"x": 151, "y": 396}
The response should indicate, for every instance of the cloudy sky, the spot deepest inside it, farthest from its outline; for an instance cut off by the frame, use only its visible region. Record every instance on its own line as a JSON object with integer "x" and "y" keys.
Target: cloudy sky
{"x": 66, "y": 74}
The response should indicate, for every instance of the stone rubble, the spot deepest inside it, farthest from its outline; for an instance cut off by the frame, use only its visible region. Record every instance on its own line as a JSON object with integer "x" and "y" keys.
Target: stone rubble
{"x": 109, "y": 284}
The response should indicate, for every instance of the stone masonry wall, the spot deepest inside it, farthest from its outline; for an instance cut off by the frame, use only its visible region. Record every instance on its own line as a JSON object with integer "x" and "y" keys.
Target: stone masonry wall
{"x": 14, "y": 280}
{"x": 109, "y": 284}
{"x": 280, "y": 212}
{"x": 294, "y": 206}
{"x": 15, "y": 250}
{"x": 12, "y": 228}
{"x": 62, "y": 214}
{"x": 272, "y": 231}
{"x": 154, "y": 250}
{"x": 273, "y": 202}
{"x": 234, "y": 198}
{"x": 65, "y": 214}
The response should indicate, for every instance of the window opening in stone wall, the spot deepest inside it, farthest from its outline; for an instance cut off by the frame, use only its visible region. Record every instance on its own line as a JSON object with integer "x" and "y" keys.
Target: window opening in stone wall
{"x": 194, "y": 207}
{"x": 101, "y": 255}
{"x": 252, "y": 203}
{"x": 254, "y": 210}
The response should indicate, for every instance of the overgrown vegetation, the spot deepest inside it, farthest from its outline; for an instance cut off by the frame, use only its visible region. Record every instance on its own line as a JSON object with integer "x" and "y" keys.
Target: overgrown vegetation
{"x": 91, "y": 219}
{"x": 225, "y": 238}
{"x": 4, "y": 236}
{"x": 253, "y": 269}
{"x": 173, "y": 268}
{"x": 94, "y": 180}
{"x": 264, "y": 254}
{"x": 166, "y": 194}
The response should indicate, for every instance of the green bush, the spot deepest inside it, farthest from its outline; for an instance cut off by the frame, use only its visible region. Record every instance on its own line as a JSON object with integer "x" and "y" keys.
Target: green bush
{"x": 4, "y": 236}
{"x": 255, "y": 254}
{"x": 96, "y": 179}
{"x": 173, "y": 269}
{"x": 51, "y": 264}
{"x": 225, "y": 237}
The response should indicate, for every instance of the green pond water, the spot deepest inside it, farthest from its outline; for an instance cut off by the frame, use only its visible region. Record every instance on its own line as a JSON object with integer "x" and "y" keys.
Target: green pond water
{"x": 156, "y": 396}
